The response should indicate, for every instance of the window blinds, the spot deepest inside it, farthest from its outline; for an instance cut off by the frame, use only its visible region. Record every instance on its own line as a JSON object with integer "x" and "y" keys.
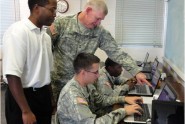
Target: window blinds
{"x": 9, "y": 13}
{"x": 140, "y": 22}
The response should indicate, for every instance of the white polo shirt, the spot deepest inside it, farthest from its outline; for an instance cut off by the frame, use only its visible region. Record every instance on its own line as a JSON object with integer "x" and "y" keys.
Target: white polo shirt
{"x": 27, "y": 54}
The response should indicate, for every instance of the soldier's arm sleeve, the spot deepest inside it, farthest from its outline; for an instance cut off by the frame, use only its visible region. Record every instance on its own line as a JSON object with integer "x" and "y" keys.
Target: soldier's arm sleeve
{"x": 121, "y": 79}
{"x": 109, "y": 45}
{"x": 113, "y": 117}
{"x": 55, "y": 30}
{"x": 122, "y": 88}
{"x": 86, "y": 116}
{"x": 76, "y": 109}
{"x": 103, "y": 100}
{"x": 104, "y": 86}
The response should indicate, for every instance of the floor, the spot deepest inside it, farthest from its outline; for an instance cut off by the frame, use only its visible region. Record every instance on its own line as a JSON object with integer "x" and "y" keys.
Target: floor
{"x": 3, "y": 89}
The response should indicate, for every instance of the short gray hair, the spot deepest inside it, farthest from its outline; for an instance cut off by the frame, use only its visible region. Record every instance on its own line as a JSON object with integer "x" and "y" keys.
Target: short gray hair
{"x": 97, "y": 5}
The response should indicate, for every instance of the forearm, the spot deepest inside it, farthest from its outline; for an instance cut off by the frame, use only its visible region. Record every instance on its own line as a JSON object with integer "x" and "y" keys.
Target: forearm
{"x": 119, "y": 89}
{"x": 113, "y": 117}
{"x": 16, "y": 89}
{"x": 108, "y": 44}
{"x": 113, "y": 100}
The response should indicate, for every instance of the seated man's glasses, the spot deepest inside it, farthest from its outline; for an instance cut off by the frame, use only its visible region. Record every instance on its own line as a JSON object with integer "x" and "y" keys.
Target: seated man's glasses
{"x": 96, "y": 72}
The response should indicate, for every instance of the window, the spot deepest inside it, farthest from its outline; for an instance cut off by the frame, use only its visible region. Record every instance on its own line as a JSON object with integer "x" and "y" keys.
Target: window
{"x": 140, "y": 22}
{"x": 9, "y": 13}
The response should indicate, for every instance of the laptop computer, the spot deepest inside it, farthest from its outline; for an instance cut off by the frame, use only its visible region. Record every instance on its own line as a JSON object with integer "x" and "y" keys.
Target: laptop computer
{"x": 167, "y": 94}
{"x": 167, "y": 112}
{"x": 139, "y": 63}
{"x": 145, "y": 90}
{"x": 149, "y": 75}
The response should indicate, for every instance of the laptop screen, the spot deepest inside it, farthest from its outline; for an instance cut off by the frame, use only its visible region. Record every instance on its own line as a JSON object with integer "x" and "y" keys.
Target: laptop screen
{"x": 167, "y": 112}
{"x": 154, "y": 65}
{"x": 167, "y": 94}
{"x": 146, "y": 58}
{"x": 155, "y": 78}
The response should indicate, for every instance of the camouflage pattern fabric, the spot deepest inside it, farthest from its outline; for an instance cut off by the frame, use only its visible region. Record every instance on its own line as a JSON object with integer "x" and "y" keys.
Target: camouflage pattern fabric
{"x": 106, "y": 84}
{"x": 76, "y": 105}
{"x": 70, "y": 37}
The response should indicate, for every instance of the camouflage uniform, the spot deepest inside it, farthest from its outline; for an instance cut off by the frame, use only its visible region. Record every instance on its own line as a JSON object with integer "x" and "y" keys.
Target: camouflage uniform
{"x": 106, "y": 84}
{"x": 70, "y": 38}
{"x": 76, "y": 105}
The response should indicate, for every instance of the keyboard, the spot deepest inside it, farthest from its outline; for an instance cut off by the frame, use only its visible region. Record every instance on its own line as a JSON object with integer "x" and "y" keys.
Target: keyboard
{"x": 147, "y": 69}
{"x": 145, "y": 114}
{"x": 148, "y": 75}
{"x": 140, "y": 89}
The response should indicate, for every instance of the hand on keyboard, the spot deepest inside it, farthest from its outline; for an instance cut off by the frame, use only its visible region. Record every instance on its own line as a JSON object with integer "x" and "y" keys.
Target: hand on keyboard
{"x": 145, "y": 113}
{"x": 132, "y": 109}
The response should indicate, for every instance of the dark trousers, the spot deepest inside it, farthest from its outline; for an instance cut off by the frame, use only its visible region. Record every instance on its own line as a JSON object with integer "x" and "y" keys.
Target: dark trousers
{"x": 39, "y": 101}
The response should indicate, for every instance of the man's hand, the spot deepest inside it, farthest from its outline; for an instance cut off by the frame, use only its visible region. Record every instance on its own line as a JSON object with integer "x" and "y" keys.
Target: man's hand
{"x": 131, "y": 82}
{"x": 133, "y": 99}
{"x": 131, "y": 109}
{"x": 141, "y": 78}
{"x": 28, "y": 118}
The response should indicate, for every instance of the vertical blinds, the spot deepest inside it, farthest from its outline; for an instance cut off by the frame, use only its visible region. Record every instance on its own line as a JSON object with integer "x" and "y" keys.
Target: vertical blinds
{"x": 140, "y": 22}
{"x": 9, "y": 14}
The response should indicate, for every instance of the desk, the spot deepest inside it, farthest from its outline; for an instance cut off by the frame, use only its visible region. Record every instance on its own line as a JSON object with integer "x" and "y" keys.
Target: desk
{"x": 147, "y": 100}
{"x": 179, "y": 88}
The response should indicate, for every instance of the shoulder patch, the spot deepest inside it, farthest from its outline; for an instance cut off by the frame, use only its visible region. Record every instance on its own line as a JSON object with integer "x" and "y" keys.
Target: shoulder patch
{"x": 81, "y": 101}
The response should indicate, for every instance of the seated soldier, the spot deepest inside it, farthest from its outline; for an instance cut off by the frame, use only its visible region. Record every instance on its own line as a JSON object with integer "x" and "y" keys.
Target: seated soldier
{"x": 111, "y": 82}
{"x": 78, "y": 97}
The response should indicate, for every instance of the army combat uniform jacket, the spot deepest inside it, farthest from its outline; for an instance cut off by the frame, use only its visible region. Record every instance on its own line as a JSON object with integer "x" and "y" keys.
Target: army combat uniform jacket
{"x": 109, "y": 85}
{"x": 76, "y": 103}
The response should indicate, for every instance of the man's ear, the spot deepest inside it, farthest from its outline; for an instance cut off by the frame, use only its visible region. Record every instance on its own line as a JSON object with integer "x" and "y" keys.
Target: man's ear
{"x": 36, "y": 9}
{"x": 88, "y": 9}
{"x": 82, "y": 72}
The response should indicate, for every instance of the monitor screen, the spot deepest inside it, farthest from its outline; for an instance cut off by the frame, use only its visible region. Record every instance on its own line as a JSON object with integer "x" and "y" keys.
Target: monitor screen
{"x": 155, "y": 78}
{"x": 154, "y": 66}
{"x": 167, "y": 94}
{"x": 167, "y": 112}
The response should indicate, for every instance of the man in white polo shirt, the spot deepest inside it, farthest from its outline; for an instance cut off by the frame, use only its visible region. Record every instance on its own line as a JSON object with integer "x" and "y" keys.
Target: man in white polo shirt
{"x": 27, "y": 62}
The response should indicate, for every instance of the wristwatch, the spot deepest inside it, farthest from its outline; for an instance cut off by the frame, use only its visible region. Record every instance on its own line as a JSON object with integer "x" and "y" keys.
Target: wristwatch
{"x": 62, "y": 6}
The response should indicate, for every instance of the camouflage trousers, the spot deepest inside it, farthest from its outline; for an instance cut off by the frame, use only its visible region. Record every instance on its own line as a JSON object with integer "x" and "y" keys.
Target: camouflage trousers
{"x": 57, "y": 86}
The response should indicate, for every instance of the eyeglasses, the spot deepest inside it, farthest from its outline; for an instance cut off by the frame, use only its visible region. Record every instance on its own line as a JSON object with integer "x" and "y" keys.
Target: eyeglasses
{"x": 96, "y": 72}
{"x": 52, "y": 10}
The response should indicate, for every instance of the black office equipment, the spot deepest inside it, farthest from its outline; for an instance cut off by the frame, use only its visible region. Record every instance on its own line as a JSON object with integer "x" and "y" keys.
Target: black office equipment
{"x": 167, "y": 112}
{"x": 167, "y": 94}
{"x": 149, "y": 74}
{"x": 139, "y": 63}
{"x": 145, "y": 90}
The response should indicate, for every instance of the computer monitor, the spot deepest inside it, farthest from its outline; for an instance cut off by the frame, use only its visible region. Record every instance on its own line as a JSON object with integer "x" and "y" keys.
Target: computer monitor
{"x": 167, "y": 112}
{"x": 167, "y": 94}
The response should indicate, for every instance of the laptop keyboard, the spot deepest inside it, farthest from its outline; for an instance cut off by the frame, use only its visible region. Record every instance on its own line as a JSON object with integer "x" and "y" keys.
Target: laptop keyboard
{"x": 145, "y": 114}
{"x": 147, "y": 69}
{"x": 151, "y": 89}
{"x": 148, "y": 76}
{"x": 140, "y": 89}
